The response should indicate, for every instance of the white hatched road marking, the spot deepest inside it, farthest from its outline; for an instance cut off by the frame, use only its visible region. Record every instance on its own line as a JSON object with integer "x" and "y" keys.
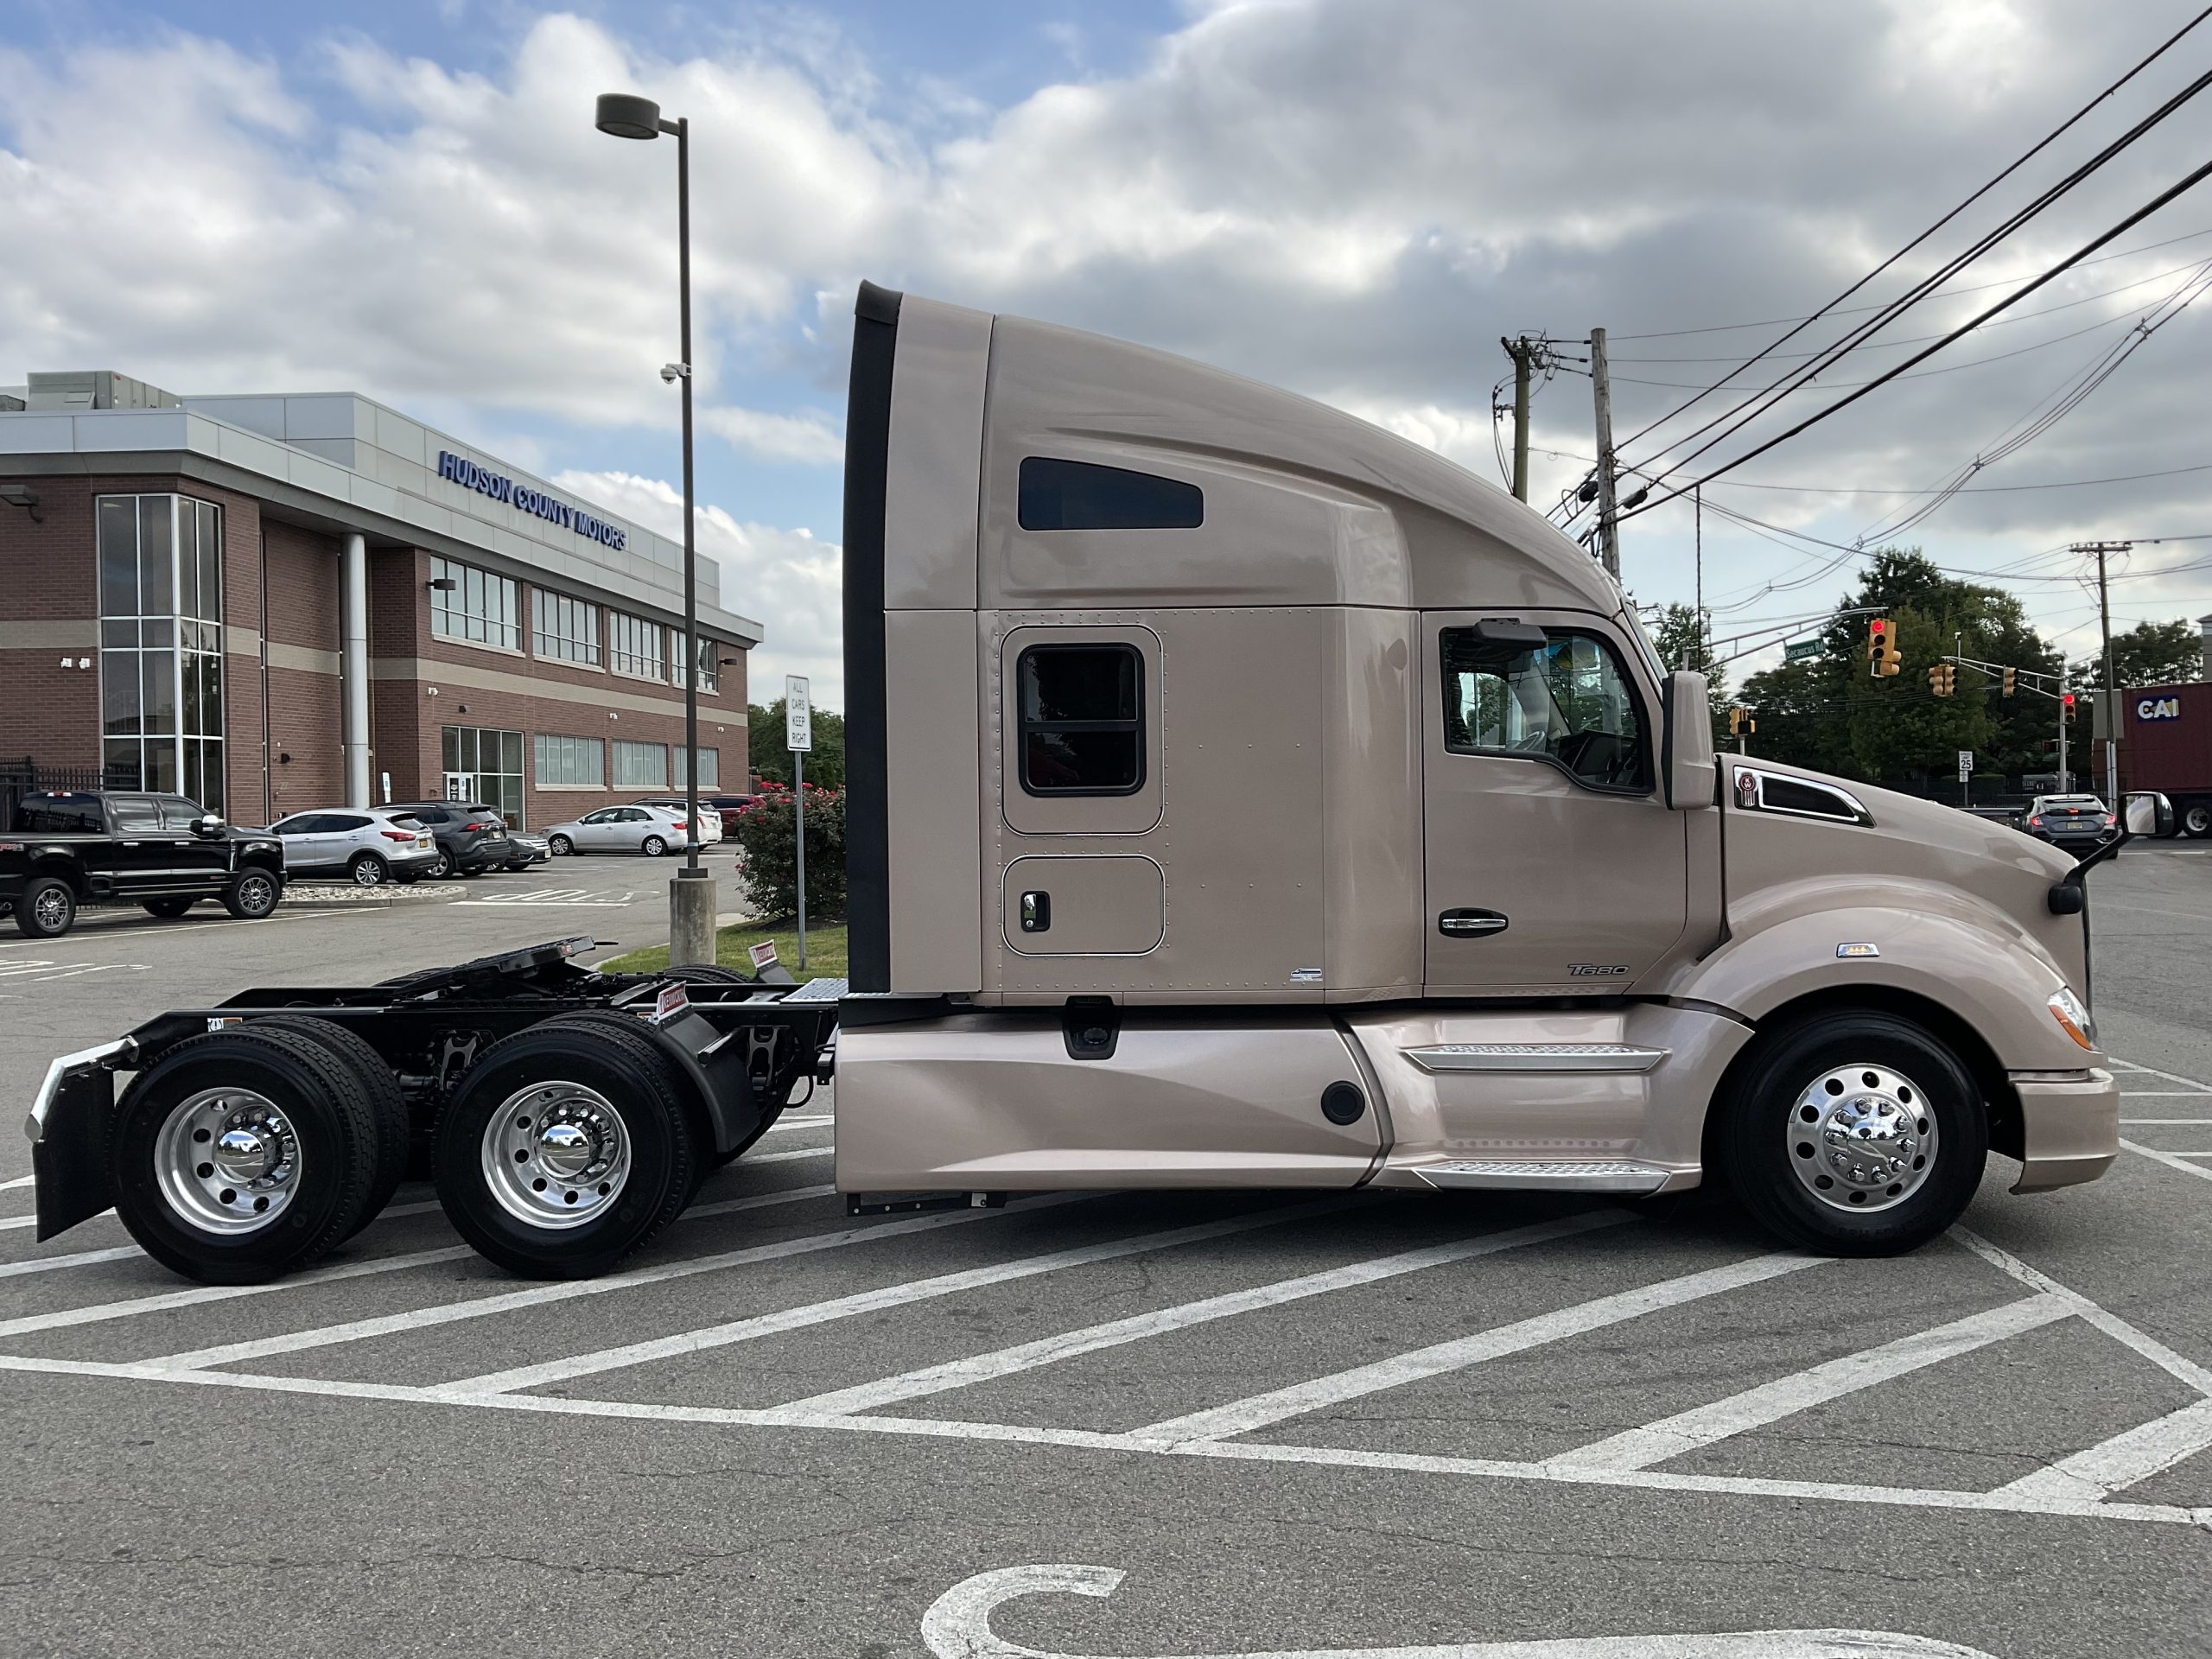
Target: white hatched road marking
{"x": 2154, "y": 1122}
{"x": 1047, "y": 1350}
{"x": 450, "y": 1312}
{"x": 2119, "y": 1462}
{"x": 555, "y": 899}
{"x": 2171, "y": 1160}
{"x": 161, "y": 1301}
{"x": 1263, "y": 1410}
{"x": 20, "y": 1180}
{"x": 45, "y": 973}
{"x": 2186, "y": 1370}
{"x": 13, "y": 1222}
{"x": 81, "y": 1259}
{"x": 958, "y": 1626}
{"x": 1703, "y": 1426}
{"x": 869, "y": 1301}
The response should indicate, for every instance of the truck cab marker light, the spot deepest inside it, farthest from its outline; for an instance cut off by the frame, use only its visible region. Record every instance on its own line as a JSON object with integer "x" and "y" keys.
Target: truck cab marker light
{"x": 1857, "y": 949}
{"x": 2073, "y": 1019}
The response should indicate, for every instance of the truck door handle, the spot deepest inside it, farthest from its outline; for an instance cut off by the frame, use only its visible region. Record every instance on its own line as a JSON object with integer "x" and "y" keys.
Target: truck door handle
{"x": 1468, "y": 924}
{"x": 1036, "y": 912}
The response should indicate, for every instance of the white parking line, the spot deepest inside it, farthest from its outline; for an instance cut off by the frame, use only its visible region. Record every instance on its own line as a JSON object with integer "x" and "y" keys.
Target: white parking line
{"x": 1263, "y": 1410}
{"x": 20, "y": 1180}
{"x": 2168, "y": 1123}
{"x": 450, "y": 1312}
{"x": 81, "y": 1259}
{"x": 2188, "y": 1371}
{"x": 1703, "y": 1426}
{"x": 1047, "y": 1350}
{"x": 2113, "y": 1465}
{"x": 869, "y": 1301}
{"x": 2171, "y": 1160}
{"x": 2163, "y": 1094}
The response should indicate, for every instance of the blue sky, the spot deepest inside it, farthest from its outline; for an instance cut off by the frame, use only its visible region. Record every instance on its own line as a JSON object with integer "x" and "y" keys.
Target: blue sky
{"x": 1351, "y": 197}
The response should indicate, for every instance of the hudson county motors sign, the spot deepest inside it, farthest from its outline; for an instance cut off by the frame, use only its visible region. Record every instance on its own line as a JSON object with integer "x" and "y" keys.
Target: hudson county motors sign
{"x": 460, "y": 470}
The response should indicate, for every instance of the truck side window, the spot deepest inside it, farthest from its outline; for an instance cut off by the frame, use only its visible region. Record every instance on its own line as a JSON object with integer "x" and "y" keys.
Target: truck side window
{"x": 60, "y": 815}
{"x": 135, "y": 812}
{"x": 1082, "y": 715}
{"x": 1082, "y": 495}
{"x": 1569, "y": 703}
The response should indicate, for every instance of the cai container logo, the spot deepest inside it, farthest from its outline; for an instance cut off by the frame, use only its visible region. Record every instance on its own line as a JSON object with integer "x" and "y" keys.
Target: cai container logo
{"x": 2157, "y": 708}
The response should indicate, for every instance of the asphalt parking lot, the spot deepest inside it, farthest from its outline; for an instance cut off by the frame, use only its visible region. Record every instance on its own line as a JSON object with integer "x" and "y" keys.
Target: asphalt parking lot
{"x": 1139, "y": 1425}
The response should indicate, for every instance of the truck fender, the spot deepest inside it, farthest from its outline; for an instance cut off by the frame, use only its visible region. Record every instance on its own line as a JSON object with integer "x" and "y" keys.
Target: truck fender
{"x": 1998, "y": 981}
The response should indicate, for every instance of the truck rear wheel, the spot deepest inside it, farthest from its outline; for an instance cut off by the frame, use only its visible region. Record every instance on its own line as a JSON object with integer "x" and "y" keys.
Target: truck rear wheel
{"x": 1853, "y": 1134}
{"x": 46, "y": 910}
{"x": 241, "y": 1155}
{"x": 567, "y": 1147}
{"x": 375, "y": 1086}
{"x": 2195, "y": 819}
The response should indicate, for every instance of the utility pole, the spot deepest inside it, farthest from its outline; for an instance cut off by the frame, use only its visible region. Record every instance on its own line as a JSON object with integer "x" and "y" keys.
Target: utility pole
{"x": 1608, "y": 538}
{"x": 1697, "y": 513}
{"x": 1524, "y": 353}
{"x": 2108, "y": 690}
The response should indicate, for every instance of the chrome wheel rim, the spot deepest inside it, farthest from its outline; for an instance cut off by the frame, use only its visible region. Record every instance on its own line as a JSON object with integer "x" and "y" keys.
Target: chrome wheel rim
{"x": 555, "y": 1154}
{"x": 558, "y": 844}
{"x": 257, "y": 894}
{"x": 655, "y": 846}
{"x": 368, "y": 873}
{"x": 1861, "y": 1138}
{"x": 51, "y": 908}
{"x": 2197, "y": 820}
{"x": 227, "y": 1161}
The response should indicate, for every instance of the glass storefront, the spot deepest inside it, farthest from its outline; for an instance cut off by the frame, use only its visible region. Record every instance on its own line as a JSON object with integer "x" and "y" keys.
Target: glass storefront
{"x": 160, "y": 564}
{"x": 483, "y": 764}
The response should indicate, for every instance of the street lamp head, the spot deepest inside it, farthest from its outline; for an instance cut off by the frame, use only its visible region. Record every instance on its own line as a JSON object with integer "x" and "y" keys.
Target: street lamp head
{"x": 625, "y": 115}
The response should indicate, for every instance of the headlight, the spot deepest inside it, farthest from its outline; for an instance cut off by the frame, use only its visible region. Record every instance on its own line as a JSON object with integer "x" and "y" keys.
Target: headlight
{"x": 2072, "y": 1018}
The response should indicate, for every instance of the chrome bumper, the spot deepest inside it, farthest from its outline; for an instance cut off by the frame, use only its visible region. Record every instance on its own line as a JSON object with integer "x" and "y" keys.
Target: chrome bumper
{"x": 2070, "y": 1127}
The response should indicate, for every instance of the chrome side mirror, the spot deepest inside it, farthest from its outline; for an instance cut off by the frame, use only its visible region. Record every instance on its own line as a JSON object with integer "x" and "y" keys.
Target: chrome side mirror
{"x": 2146, "y": 814}
{"x": 1686, "y": 755}
{"x": 208, "y": 825}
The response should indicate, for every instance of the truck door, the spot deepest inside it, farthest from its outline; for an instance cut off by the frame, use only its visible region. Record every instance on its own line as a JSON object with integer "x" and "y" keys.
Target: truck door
{"x": 148, "y": 856}
{"x": 1553, "y": 862}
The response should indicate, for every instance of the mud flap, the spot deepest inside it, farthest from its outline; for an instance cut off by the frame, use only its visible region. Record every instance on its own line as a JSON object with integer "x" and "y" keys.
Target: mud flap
{"x": 69, "y": 1156}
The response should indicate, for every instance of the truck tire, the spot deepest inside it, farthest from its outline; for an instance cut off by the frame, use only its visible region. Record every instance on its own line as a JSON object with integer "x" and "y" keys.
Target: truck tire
{"x": 374, "y": 1085}
{"x": 166, "y": 908}
{"x": 46, "y": 909}
{"x": 252, "y": 894}
{"x": 1852, "y": 1132}
{"x": 2194, "y": 820}
{"x": 567, "y": 1147}
{"x": 299, "y": 1150}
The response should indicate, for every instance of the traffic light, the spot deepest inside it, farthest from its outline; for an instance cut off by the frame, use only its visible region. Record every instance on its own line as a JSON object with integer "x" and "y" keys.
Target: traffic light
{"x": 1735, "y": 721}
{"x": 2009, "y": 675}
{"x": 1882, "y": 655}
{"x": 1877, "y": 632}
{"x": 1943, "y": 680}
{"x": 2066, "y": 703}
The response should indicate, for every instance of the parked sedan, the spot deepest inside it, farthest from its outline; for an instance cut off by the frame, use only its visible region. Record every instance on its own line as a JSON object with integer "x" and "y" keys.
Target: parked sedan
{"x": 710, "y": 821}
{"x": 651, "y": 831}
{"x": 529, "y": 849}
{"x": 2078, "y": 821}
{"x": 367, "y": 848}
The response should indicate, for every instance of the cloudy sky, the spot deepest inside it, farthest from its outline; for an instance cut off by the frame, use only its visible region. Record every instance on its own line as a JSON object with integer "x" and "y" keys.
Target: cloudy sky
{"x": 1353, "y": 199}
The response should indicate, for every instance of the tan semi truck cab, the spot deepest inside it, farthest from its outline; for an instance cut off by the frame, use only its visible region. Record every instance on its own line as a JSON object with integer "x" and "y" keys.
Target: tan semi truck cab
{"x": 1239, "y": 795}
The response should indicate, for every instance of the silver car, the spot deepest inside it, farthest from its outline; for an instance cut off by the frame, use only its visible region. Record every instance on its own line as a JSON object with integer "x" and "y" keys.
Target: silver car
{"x": 367, "y": 847}
{"x": 651, "y": 831}
{"x": 710, "y": 821}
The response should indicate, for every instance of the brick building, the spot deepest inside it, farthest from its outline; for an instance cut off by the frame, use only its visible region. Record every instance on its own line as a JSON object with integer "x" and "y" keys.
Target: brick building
{"x": 276, "y": 603}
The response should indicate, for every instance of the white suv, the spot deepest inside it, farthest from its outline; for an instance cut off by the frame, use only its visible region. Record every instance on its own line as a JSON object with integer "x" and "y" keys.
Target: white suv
{"x": 367, "y": 847}
{"x": 711, "y": 821}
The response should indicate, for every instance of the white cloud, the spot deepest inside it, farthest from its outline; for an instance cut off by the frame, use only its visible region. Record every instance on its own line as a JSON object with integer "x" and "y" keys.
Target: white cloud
{"x": 809, "y": 439}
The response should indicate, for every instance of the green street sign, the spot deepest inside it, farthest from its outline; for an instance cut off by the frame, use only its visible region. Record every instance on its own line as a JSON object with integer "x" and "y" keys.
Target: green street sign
{"x": 1798, "y": 649}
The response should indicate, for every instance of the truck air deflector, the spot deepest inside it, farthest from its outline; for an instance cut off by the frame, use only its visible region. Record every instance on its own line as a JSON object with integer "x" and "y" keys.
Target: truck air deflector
{"x": 1559, "y": 1175}
{"x": 1536, "y": 1057}
{"x": 867, "y": 461}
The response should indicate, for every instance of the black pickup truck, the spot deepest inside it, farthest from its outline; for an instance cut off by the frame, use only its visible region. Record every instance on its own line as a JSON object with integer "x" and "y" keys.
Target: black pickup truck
{"x": 65, "y": 849}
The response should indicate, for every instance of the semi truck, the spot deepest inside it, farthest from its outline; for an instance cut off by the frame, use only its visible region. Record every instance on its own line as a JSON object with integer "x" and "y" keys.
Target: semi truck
{"x": 2166, "y": 748}
{"x": 1239, "y": 796}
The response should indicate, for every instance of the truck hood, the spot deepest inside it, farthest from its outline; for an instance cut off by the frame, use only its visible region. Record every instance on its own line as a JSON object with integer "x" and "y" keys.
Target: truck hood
{"x": 1901, "y": 851}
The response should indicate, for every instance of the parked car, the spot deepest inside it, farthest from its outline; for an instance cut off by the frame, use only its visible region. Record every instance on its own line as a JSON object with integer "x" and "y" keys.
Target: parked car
{"x": 711, "y": 819}
{"x": 368, "y": 846}
{"x": 68, "y": 848}
{"x": 651, "y": 831}
{"x": 2079, "y": 821}
{"x": 727, "y": 804}
{"x": 472, "y": 837}
{"x": 529, "y": 849}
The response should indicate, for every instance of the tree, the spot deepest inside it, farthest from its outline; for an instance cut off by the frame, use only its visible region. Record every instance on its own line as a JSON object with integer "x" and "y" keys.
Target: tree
{"x": 2150, "y": 653}
{"x": 772, "y": 762}
{"x": 1678, "y": 635}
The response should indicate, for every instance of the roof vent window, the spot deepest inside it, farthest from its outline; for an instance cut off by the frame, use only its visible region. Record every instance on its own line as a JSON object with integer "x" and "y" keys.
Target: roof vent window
{"x": 1081, "y": 495}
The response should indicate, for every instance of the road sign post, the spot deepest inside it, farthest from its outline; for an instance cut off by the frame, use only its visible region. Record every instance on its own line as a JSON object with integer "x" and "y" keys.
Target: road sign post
{"x": 798, "y": 738}
{"x": 1966, "y": 771}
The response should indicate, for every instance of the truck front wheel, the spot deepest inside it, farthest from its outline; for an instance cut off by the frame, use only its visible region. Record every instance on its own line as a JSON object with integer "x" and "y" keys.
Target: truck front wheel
{"x": 2196, "y": 819}
{"x": 1853, "y": 1134}
{"x": 566, "y": 1148}
{"x": 240, "y": 1155}
{"x": 252, "y": 895}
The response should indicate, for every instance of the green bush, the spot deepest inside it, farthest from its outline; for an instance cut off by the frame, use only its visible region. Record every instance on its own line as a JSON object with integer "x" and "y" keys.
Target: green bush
{"x": 769, "y": 875}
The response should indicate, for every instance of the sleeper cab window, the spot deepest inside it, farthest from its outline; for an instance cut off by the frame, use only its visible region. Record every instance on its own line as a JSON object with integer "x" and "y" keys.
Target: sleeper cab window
{"x": 1082, "y": 495}
{"x": 1081, "y": 713}
{"x": 1567, "y": 703}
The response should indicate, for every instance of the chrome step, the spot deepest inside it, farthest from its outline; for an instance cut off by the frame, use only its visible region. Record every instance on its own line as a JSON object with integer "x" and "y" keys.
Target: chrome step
{"x": 1547, "y": 1175}
{"x": 1536, "y": 1057}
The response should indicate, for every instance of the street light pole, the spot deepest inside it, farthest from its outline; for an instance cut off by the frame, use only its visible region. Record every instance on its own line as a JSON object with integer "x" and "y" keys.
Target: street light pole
{"x": 691, "y": 894}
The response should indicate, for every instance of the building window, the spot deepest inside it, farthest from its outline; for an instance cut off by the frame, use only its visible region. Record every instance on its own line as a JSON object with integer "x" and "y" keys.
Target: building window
{"x": 480, "y": 607}
{"x": 710, "y": 768}
{"x": 1082, "y": 718}
{"x": 564, "y": 629}
{"x": 568, "y": 759}
{"x": 1079, "y": 495}
{"x": 1567, "y": 703}
{"x": 637, "y": 646}
{"x": 640, "y": 765}
{"x": 710, "y": 679}
{"x": 483, "y": 767}
{"x": 160, "y": 564}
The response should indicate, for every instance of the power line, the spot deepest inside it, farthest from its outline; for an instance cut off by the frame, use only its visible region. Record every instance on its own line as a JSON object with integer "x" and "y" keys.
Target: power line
{"x": 2182, "y": 185}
